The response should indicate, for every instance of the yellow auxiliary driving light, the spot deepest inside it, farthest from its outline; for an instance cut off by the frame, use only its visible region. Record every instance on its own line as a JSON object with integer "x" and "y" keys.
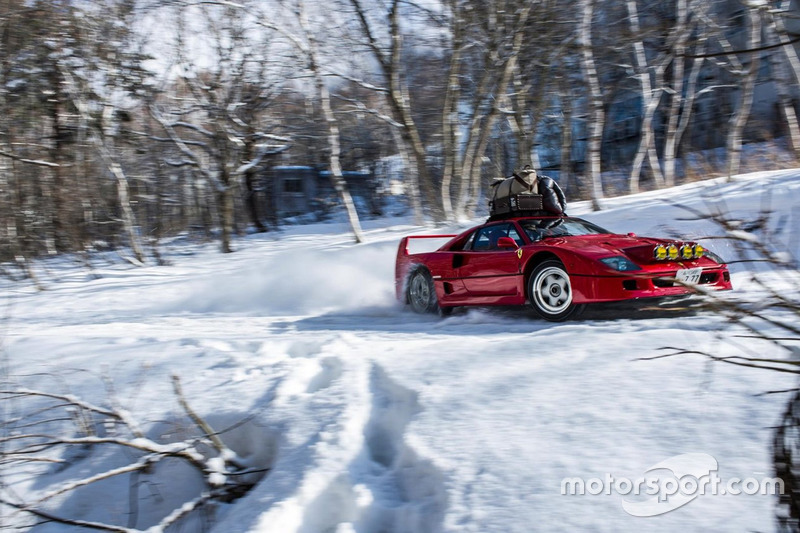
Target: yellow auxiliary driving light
{"x": 686, "y": 251}
{"x": 660, "y": 252}
{"x": 699, "y": 251}
{"x": 672, "y": 252}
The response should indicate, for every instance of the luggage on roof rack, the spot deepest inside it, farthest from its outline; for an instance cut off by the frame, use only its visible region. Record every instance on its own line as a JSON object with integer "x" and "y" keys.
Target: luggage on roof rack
{"x": 518, "y": 194}
{"x": 516, "y": 203}
{"x": 526, "y": 194}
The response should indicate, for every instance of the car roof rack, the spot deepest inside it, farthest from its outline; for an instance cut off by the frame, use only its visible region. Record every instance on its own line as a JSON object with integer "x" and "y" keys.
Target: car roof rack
{"x": 523, "y": 214}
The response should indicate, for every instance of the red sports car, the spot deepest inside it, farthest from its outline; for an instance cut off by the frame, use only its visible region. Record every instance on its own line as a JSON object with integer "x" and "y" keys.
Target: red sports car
{"x": 557, "y": 264}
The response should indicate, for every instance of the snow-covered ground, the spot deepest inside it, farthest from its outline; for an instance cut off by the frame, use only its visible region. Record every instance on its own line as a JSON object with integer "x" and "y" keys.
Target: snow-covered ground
{"x": 373, "y": 419}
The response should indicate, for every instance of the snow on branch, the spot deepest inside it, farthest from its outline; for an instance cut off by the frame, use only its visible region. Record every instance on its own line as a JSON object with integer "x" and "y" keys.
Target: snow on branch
{"x": 38, "y": 162}
{"x": 53, "y": 434}
{"x": 770, "y": 323}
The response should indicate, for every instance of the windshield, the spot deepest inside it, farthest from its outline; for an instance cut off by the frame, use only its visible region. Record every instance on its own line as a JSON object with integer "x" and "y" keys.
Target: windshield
{"x": 543, "y": 228}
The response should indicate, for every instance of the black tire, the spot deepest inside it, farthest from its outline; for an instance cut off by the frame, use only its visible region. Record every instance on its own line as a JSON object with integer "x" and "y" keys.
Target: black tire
{"x": 550, "y": 292}
{"x": 420, "y": 292}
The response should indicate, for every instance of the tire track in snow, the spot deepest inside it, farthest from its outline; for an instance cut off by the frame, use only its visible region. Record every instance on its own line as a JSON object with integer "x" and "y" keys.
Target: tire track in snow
{"x": 408, "y": 490}
{"x": 344, "y": 464}
{"x": 331, "y": 370}
{"x": 387, "y": 487}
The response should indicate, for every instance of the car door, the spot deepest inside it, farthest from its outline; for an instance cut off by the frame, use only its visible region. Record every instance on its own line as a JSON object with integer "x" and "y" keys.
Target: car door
{"x": 485, "y": 269}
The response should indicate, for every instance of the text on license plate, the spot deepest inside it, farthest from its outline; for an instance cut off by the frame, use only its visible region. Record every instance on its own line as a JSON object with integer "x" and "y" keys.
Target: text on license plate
{"x": 689, "y": 275}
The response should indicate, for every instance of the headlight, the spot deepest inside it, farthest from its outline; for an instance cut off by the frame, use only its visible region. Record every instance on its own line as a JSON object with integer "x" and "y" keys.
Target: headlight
{"x": 699, "y": 251}
{"x": 623, "y": 264}
{"x": 687, "y": 251}
{"x": 714, "y": 257}
{"x": 660, "y": 252}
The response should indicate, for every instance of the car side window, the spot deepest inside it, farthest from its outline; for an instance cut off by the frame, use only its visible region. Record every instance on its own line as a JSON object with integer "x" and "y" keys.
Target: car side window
{"x": 485, "y": 239}
{"x": 514, "y": 234}
{"x": 533, "y": 233}
{"x": 468, "y": 242}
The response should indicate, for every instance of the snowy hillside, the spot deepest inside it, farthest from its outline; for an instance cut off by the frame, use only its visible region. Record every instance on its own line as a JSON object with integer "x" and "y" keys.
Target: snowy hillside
{"x": 374, "y": 419}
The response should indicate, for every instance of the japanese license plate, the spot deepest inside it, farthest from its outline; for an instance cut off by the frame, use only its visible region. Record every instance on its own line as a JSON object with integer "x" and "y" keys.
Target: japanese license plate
{"x": 689, "y": 275}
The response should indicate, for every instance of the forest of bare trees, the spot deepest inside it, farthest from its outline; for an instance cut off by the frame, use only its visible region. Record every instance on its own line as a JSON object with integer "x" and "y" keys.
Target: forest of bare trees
{"x": 126, "y": 121}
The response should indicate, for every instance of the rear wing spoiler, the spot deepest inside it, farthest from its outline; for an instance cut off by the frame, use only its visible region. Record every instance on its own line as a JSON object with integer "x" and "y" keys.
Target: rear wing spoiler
{"x": 402, "y": 250}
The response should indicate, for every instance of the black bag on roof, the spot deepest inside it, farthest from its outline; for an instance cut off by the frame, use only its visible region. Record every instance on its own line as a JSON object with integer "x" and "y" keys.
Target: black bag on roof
{"x": 526, "y": 194}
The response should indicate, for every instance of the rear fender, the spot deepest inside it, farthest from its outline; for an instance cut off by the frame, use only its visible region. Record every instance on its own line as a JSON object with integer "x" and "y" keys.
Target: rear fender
{"x": 406, "y": 262}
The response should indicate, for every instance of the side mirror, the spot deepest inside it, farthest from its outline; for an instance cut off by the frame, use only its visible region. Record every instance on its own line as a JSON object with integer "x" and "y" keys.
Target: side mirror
{"x": 506, "y": 243}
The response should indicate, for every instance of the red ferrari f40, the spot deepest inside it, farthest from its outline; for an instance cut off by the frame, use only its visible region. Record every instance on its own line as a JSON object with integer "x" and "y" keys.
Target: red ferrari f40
{"x": 555, "y": 264}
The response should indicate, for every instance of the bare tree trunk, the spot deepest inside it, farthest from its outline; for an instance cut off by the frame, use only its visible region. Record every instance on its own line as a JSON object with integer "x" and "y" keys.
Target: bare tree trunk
{"x": 8, "y": 223}
{"x": 226, "y": 206}
{"x": 412, "y": 189}
{"x": 333, "y": 131}
{"x": 526, "y": 110}
{"x": 516, "y": 121}
{"x": 565, "y": 166}
{"x": 777, "y": 32}
{"x": 739, "y": 118}
{"x": 691, "y": 95}
{"x": 451, "y": 131}
{"x": 127, "y": 213}
{"x": 597, "y": 115}
{"x": 465, "y": 162}
{"x": 398, "y": 98}
{"x": 401, "y": 101}
{"x": 479, "y": 138}
{"x": 651, "y": 98}
{"x": 103, "y": 138}
{"x": 53, "y": 189}
{"x": 250, "y": 179}
{"x": 676, "y": 92}
{"x": 107, "y": 149}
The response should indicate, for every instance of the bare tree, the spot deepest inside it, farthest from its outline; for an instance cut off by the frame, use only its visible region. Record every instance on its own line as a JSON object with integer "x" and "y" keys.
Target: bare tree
{"x": 776, "y": 32}
{"x": 209, "y": 125}
{"x": 681, "y": 33}
{"x": 388, "y": 55}
{"x": 543, "y": 87}
{"x": 565, "y": 152}
{"x": 82, "y": 74}
{"x": 490, "y": 101}
{"x": 739, "y": 118}
{"x": 651, "y": 98}
{"x": 451, "y": 132}
{"x": 309, "y": 48}
{"x": 597, "y": 113}
{"x": 45, "y": 432}
{"x": 103, "y": 137}
{"x": 20, "y": 162}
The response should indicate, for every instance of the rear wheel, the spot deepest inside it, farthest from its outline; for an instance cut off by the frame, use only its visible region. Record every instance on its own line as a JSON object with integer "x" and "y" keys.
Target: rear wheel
{"x": 421, "y": 293}
{"x": 550, "y": 291}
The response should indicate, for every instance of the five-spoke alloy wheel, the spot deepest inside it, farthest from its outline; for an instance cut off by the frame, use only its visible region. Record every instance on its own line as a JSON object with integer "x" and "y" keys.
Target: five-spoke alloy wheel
{"x": 550, "y": 291}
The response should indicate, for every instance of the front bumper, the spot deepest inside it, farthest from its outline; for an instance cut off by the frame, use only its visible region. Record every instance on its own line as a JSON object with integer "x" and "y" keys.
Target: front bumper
{"x": 634, "y": 285}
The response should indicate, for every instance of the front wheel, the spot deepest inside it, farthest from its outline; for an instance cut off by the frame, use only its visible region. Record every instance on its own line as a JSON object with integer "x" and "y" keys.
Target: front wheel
{"x": 550, "y": 292}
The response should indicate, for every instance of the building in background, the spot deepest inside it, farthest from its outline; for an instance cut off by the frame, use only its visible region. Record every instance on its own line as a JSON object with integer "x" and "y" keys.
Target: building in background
{"x": 298, "y": 190}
